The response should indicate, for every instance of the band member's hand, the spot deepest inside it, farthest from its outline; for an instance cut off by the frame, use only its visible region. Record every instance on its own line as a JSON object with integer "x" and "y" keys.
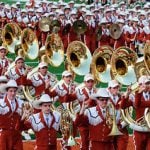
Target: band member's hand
{"x": 128, "y": 91}
{"x": 141, "y": 88}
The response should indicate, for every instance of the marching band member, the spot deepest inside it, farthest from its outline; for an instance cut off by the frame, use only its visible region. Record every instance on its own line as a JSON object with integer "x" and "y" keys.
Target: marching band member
{"x": 3, "y": 81}
{"x": 45, "y": 124}
{"x": 95, "y": 118}
{"x": 83, "y": 94}
{"x": 4, "y": 62}
{"x": 139, "y": 101}
{"x": 105, "y": 37}
{"x": 19, "y": 72}
{"x": 142, "y": 101}
{"x": 116, "y": 43}
{"x": 10, "y": 118}
{"x": 89, "y": 35}
{"x": 64, "y": 87}
{"x": 42, "y": 80}
{"x": 120, "y": 141}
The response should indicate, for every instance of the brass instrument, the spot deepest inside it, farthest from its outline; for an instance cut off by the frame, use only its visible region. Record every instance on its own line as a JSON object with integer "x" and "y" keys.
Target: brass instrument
{"x": 29, "y": 91}
{"x": 100, "y": 66}
{"x": 79, "y": 27}
{"x": 140, "y": 68}
{"x": 54, "y": 50}
{"x": 98, "y": 33}
{"x": 29, "y": 44}
{"x": 147, "y": 116}
{"x": 111, "y": 120}
{"x": 44, "y": 24}
{"x": 78, "y": 57}
{"x": 66, "y": 127}
{"x": 55, "y": 26}
{"x": 27, "y": 110}
{"x": 11, "y": 36}
{"x": 147, "y": 56}
{"x": 115, "y": 31}
{"x": 137, "y": 125}
{"x": 122, "y": 65}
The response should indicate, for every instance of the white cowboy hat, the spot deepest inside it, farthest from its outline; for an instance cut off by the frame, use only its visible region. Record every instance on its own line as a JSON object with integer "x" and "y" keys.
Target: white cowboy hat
{"x": 45, "y": 98}
{"x": 88, "y": 77}
{"x": 144, "y": 79}
{"x": 102, "y": 92}
{"x": 112, "y": 84}
{"x": 9, "y": 84}
{"x": 42, "y": 64}
{"x": 66, "y": 73}
{"x": 3, "y": 79}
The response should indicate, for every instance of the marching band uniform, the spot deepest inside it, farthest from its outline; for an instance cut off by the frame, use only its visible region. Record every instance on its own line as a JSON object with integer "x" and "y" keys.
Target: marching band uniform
{"x": 105, "y": 37}
{"x": 83, "y": 94}
{"x": 89, "y": 35}
{"x": 95, "y": 118}
{"x": 142, "y": 101}
{"x": 19, "y": 75}
{"x": 146, "y": 33}
{"x": 120, "y": 141}
{"x": 4, "y": 62}
{"x": 39, "y": 81}
{"x": 44, "y": 125}
{"x": 10, "y": 121}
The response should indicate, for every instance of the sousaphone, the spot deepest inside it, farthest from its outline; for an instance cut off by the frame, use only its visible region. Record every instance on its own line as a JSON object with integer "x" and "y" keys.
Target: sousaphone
{"x": 29, "y": 44}
{"x": 100, "y": 66}
{"x": 79, "y": 27}
{"x": 122, "y": 65}
{"x": 11, "y": 36}
{"x": 44, "y": 24}
{"x": 147, "y": 56}
{"x": 54, "y": 50}
{"x": 78, "y": 58}
{"x": 115, "y": 31}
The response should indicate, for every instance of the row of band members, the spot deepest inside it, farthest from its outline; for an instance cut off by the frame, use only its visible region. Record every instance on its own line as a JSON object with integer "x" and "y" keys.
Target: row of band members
{"x": 90, "y": 118}
{"x": 91, "y": 122}
{"x": 132, "y": 34}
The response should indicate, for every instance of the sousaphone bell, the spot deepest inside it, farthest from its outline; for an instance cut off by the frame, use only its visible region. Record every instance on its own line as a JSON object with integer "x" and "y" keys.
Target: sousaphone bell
{"x": 115, "y": 31}
{"x": 44, "y": 24}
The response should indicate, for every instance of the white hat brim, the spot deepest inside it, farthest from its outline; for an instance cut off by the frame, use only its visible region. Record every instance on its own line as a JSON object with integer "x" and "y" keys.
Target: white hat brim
{"x": 37, "y": 103}
{"x": 3, "y": 87}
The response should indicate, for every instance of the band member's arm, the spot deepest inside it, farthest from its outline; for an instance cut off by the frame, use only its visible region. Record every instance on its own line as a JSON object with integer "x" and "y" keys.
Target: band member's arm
{"x": 125, "y": 102}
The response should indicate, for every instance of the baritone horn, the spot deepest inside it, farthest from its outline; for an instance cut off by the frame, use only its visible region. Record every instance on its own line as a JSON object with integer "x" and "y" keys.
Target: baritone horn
{"x": 111, "y": 120}
{"x": 11, "y": 36}
{"x": 100, "y": 66}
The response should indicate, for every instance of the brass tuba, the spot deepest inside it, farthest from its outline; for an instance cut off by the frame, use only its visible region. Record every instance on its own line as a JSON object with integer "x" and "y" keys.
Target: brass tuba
{"x": 115, "y": 31}
{"x": 147, "y": 56}
{"x": 29, "y": 44}
{"x": 122, "y": 65}
{"x": 44, "y": 24}
{"x": 54, "y": 50}
{"x": 100, "y": 66}
{"x": 137, "y": 125}
{"x": 78, "y": 57}
{"x": 11, "y": 36}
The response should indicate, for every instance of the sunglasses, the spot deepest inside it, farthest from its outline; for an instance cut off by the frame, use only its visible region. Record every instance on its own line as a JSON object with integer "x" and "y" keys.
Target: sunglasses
{"x": 102, "y": 99}
{"x": 44, "y": 67}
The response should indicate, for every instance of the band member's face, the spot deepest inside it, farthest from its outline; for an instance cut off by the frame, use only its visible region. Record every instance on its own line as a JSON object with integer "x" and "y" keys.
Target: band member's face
{"x": 68, "y": 79}
{"x": 146, "y": 86}
{"x": 102, "y": 102}
{"x": 2, "y": 53}
{"x": 45, "y": 107}
{"x": 11, "y": 93}
{"x": 43, "y": 70}
{"x": 89, "y": 84}
{"x": 20, "y": 63}
{"x": 114, "y": 90}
